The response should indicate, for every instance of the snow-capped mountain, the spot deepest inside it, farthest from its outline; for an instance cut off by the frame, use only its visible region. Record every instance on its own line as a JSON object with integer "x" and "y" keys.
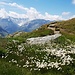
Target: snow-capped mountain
{"x": 20, "y": 21}
{"x": 33, "y": 24}
{"x": 12, "y": 25}
{"x": 8, "y": 25}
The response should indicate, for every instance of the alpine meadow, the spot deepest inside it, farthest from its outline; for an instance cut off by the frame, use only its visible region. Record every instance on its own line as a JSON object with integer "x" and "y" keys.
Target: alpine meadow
{"x": 37, "y": 37}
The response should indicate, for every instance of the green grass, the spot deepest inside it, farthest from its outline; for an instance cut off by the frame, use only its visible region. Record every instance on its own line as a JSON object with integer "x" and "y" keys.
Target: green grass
{"x": 67, "y": 26}
{"x": 62, "y": 40}
{"x": 41, "y": 32}
{"x": 69, "y": 36}
{"x": 10, "y": 68}
{"x": 31, "y": 51}
{"x": 7, "y": 68}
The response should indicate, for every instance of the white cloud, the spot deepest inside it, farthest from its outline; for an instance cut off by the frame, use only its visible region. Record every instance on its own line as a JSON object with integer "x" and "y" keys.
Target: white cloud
{"x": 53, "y": 17}
{"x": 3, "y": 13}
{"x": 3, "y": 3}
{"x": 17, "y": 15}
{"x": 72, "y": 16}
{"x": 73, "y": 1}
{"x": 14, "y": 5}
{"x": 18, "y": 6}
{"x": 30, "y": 13}
{"x": 65, "y": 13}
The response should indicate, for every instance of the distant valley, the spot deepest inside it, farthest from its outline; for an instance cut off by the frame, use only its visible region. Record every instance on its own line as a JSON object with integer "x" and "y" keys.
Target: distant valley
{"x": 3, "y": 32}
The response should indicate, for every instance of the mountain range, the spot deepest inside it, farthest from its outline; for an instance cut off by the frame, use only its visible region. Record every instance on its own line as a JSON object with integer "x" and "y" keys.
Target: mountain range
{"x": 33, "y": 24}
{"x": 8, "y": 25}
{"x": 12, "y": 25}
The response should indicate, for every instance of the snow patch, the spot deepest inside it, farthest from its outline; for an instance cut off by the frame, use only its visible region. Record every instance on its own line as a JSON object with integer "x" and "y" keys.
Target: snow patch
{"x": 42, "y": 40}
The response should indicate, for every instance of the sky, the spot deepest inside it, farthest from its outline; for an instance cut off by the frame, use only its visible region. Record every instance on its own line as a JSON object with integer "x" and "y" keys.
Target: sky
{"x": 38, "y": 9}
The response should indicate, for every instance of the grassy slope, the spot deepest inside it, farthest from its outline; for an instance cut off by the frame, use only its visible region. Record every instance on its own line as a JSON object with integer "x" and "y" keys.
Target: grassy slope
{"x": 10, "y": 69}
{"x": 67, "y": 28}
{"x": 42, "y": 31}
{"x": 7, "y": 68}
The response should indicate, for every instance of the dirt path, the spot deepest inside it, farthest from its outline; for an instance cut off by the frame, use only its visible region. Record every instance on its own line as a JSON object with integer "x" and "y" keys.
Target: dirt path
{"x": 53, "y": 28}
